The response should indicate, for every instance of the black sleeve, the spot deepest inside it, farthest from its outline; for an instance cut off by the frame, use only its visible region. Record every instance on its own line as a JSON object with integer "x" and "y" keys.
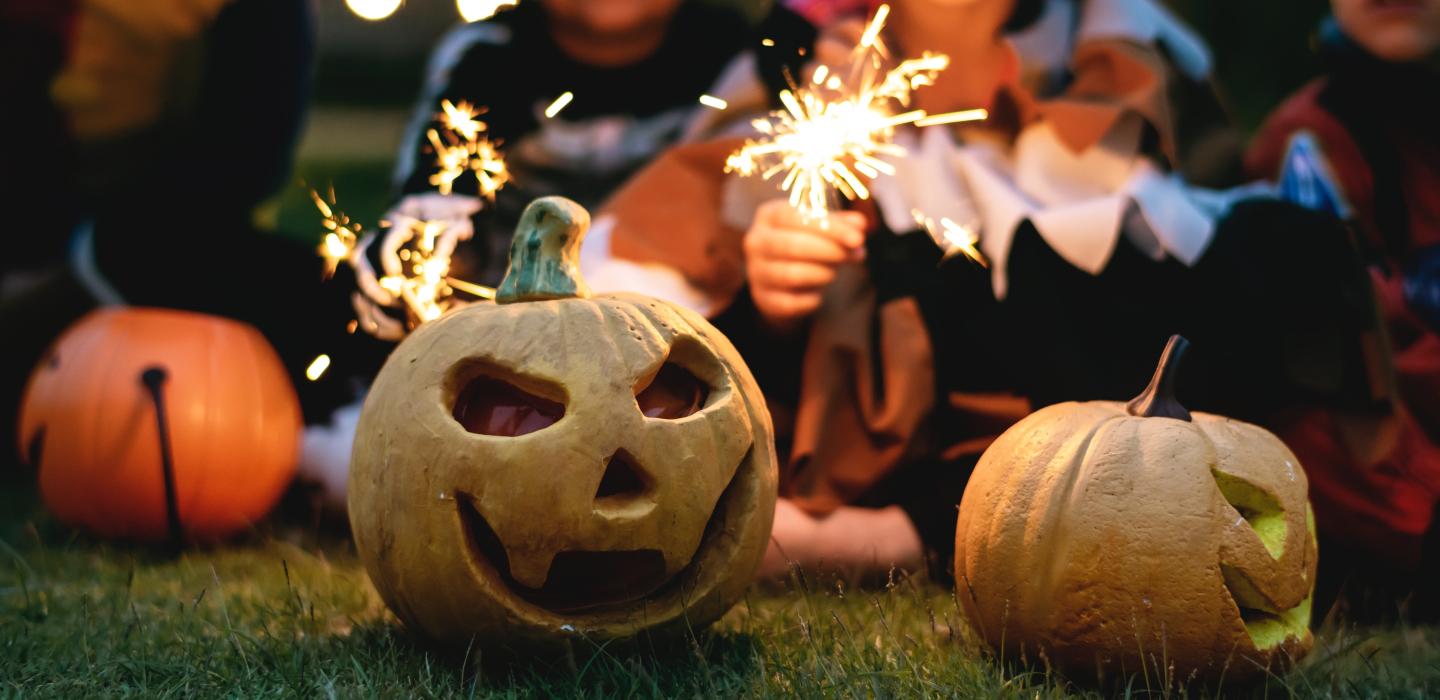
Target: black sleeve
{"x": 259, "y": 64}
{"x": 775, "y": 360}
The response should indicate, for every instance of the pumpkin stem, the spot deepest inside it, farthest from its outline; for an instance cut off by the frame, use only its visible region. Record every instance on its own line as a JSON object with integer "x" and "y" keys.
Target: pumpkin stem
{"x": 545, "y": 253}
{"x": 1158, "y": 400}
{"x": 154, "y": 380}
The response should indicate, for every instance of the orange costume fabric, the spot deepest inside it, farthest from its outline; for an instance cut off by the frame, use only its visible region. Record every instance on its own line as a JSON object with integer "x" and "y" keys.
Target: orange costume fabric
{"x": 867, "y": 400}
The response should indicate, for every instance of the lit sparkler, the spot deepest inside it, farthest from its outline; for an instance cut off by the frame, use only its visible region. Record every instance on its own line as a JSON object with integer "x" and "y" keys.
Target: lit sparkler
{"x": 953, "y": 239}
{"x": 422, "y": 281}
{"x": 835, "y": 130}
{"x": 462, "y": 149}
{"x": 341, "y": 234}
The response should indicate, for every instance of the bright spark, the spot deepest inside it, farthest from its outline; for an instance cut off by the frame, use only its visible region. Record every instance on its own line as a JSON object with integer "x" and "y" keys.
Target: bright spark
{"x": 317, "y": 367}
{"x": 559, "y": 104}
{"x": 713, "y": 102}
{"x": 833, "y": 131}
{"x": 953, "y": 239}
{"x": 341, "y": 235}
{"x": 460, "y": 149}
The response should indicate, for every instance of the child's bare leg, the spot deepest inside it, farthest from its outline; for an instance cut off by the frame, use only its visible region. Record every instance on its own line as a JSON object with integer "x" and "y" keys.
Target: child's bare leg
{"x": 856, "y": 541}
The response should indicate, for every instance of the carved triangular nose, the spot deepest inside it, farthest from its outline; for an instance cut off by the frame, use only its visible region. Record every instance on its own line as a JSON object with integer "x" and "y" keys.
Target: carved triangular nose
{"x": 623, "y": 481}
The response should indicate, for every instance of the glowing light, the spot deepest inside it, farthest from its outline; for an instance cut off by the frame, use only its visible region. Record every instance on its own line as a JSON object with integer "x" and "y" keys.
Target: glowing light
{"x": 476, "y": 10}
{"x": 373, "y": 10}
{"x": 713, "y": 102}
{"x": 835, "y": 130}
{"x": 462, "y": 149}
{"x": 338, "y": 243}
{"x": 767, "y": 42}
{"x": 317, "y": 367}
{"x": 559, "y": 104}
{"x": 966, "y": 115}
{"x": 417, "y": 277}
{"x": 872, "y": 31}
{"x": 461, "y": 119}
{"x": 953, "y": 239}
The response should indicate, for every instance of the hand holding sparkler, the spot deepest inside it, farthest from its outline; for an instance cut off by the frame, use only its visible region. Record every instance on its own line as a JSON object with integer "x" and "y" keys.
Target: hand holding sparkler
{"x": 414, "y": 253}
{"x": 791, "y": 258}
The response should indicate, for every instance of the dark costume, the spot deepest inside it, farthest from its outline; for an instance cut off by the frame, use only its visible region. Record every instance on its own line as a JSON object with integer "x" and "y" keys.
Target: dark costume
{"x": 162, "y": 215}
{"x": 620, "y": 119}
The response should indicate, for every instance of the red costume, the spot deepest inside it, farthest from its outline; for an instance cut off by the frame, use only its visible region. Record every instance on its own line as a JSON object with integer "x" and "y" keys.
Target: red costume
{"x": 1375, "y": 479}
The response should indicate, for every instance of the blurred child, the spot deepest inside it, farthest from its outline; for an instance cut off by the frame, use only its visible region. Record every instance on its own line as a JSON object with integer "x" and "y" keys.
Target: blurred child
{"x": 169, "y": 123}
{"x": 894, "y": 361}
{"x": 1374, "y": 120}
{"x": 636, "y": 70}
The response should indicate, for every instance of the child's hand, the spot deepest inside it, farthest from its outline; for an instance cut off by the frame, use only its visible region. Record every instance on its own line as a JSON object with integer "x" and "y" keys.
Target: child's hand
{"x": 789, "y": 261}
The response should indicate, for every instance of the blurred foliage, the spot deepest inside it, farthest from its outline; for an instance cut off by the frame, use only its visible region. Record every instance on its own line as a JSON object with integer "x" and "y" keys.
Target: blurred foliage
{"x": 1262, "y": 49}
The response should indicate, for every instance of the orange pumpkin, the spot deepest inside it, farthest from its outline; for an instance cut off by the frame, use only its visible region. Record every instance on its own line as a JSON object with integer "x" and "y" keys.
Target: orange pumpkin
{"x": 89, "y": 425}
{"x": 1116, "y": 539}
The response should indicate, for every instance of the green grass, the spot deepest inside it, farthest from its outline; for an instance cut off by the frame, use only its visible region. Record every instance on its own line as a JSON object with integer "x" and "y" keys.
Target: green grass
{"x": 291, "y": 613}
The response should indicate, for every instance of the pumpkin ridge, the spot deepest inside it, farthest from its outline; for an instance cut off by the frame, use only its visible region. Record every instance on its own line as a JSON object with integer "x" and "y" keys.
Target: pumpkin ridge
{"x": 1061, "y": 499}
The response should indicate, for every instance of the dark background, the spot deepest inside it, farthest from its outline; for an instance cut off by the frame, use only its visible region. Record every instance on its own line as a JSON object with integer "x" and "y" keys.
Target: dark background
{"x": 369, "y": 74}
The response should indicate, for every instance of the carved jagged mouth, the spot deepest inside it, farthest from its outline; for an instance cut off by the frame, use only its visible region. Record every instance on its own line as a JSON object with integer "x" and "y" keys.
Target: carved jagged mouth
{"x": 584, "y": 581}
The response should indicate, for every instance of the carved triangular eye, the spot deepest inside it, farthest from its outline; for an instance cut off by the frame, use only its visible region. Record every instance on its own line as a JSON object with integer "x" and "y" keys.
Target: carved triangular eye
{"x": 491, "y": 406}
{"x": 673, "y": 393}
{"x": 1262, "y": 510}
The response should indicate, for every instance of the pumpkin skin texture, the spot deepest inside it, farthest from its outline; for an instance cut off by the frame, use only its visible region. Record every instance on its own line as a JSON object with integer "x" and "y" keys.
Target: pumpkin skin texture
{"x": 1110, "y": 544}
{"x": 558, "y": 464}
{"x": 88, "y": 424}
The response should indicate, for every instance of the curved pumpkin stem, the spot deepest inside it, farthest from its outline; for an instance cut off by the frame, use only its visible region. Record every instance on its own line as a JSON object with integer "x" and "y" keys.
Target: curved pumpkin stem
{"x": 545, "y": 253}
{"x": 154, "y": 380}
{"x": 1158, "y": 400}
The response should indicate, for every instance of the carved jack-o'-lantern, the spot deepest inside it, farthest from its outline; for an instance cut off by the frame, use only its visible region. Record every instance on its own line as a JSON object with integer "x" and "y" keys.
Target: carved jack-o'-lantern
{"x": 152, "y": 423}
{"x": 1103, "y": 536}
{"x": 556, "y": 463}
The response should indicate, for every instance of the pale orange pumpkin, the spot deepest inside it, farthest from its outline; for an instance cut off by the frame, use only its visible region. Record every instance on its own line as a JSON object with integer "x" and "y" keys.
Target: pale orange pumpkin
{"x": 1118, "y": 539}
{"x": 89, "y": 425}
{"x": 558, "y": 464}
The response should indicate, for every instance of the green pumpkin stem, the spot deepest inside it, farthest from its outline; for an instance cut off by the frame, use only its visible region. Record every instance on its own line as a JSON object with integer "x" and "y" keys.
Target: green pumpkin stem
{"x": 545, "y": 253}
{"x": 1158, "y": 400}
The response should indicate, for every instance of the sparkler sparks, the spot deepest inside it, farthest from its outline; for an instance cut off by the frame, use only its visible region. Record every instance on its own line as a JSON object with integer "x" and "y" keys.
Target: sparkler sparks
{"x": 423, "y": 283}
{"x": 317, "y": 367}
{"x": 341, "y": 234}
{"x": 954, "y": 239}
{"x": 834, "y": 130}
{"x": 462, "y": 149}
{"x": 416, "y": 253}
{"x": 559, "y": 104}
{"x": 714, "y": 102}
